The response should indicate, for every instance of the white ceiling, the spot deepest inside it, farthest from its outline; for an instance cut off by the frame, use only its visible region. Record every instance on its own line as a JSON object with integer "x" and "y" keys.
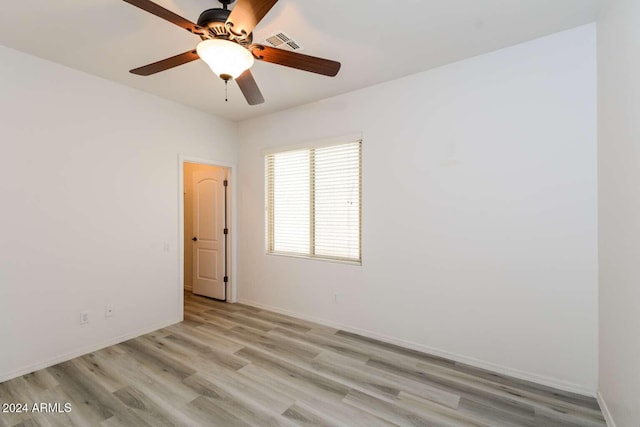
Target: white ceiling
{"x": 375, "y": 40}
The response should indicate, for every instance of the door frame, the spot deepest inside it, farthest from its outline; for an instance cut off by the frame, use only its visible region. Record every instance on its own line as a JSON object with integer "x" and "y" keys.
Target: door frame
{"x": 231, "y": 291}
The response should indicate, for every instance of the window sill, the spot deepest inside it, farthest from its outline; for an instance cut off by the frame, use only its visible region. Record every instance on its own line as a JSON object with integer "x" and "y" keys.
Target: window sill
{"x": 312, "y": 258}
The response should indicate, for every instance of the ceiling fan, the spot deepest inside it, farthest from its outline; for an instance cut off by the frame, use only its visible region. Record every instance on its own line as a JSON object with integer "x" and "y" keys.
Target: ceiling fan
{"x": 227, "y": 45}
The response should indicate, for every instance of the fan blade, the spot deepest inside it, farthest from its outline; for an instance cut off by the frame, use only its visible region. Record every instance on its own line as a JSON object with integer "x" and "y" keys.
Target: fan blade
{"x": 163, "y": 13}
{"x": 249, "y": 88}
{"x": 166, "y": 64}
{"x": 295, "y": 60}
{"x": 247, "y": 14}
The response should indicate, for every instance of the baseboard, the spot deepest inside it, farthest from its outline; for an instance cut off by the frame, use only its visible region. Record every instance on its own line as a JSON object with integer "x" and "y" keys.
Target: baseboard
{"x": 82, "y": 351}
{"x": 605, "y": 410}
{"x": 477, "y": 363}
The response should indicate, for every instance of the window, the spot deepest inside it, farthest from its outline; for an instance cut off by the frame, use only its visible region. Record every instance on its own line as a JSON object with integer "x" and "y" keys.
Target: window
{"x": 313, "y": 202}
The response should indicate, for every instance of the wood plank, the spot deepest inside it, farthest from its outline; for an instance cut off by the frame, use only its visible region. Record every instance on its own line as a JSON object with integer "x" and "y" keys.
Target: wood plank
{"x": 241, "y": 406}
{"x": 208, "y": 412}
{"x": 396, "y": 349}
{"x": 435, "y": 394}
{"x": 255, "y": 391}
{"x": 94, "y": 401}
{"x": 304, "y": 415}
{"x": 328, "y": 404}
{"x": 392, "y": 413}
{"x": 322, "y": 342}
{"x": 146, "y": 408}
{"x": 295, "y": 375}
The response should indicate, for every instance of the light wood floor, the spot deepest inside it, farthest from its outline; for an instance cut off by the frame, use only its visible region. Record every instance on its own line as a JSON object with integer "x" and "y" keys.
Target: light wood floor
{"x": 232, "y": 365}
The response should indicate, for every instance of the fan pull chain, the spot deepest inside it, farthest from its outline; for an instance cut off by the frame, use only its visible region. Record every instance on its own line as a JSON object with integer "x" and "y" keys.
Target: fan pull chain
{"x": 226, "y": 86}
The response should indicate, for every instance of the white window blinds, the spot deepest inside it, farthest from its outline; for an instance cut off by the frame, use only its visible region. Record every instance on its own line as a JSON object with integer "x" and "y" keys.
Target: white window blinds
{"x": 313, "y": 202}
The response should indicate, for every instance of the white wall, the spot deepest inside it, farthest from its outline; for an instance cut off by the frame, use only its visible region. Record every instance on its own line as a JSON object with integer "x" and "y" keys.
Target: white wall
{"x": 89, "y": 189}
{"x": 619, "y": 200}
{"x": 479, "y": 212}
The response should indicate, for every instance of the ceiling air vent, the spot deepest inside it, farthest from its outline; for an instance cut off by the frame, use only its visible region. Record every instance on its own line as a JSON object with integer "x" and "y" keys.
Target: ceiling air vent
{"x": 283, "y": 41}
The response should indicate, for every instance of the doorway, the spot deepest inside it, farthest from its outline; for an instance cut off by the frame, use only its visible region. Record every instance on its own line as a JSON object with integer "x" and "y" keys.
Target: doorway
{"x": 206, "y": 229}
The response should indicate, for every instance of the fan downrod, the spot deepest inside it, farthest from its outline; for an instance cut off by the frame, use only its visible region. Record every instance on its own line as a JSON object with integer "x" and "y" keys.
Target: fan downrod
{"x": 226, "y": 3}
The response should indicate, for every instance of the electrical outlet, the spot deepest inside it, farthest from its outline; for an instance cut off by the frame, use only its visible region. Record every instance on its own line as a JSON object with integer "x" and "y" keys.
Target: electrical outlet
{"x": 84, "y": 317}
{"x": 108, "y": 311}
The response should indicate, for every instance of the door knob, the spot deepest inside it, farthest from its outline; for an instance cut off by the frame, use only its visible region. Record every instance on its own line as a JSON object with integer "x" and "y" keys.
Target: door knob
{"x": 195, "y": 239}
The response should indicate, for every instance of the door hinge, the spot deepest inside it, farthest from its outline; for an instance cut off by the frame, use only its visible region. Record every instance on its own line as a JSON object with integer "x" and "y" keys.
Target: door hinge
{"x": 226, "y": 279}
{"x": 226, "y": 231}
{"x": 225, "y": 183}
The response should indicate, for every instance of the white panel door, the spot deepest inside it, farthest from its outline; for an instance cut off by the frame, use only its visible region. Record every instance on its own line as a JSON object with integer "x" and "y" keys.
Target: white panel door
{"x": 208, "y": 230}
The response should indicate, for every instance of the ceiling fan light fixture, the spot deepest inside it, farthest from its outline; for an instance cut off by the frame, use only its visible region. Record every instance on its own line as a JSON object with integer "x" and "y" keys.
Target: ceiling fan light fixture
{"x": 227, "y": 45}
{"x": 228, "y": 60}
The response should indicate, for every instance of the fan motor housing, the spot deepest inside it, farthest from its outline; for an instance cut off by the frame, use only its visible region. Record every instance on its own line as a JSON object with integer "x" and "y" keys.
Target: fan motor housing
{"x": 215, "y": 21}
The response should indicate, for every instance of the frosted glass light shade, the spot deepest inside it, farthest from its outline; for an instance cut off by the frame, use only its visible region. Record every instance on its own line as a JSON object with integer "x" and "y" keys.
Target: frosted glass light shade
{"x": 225, "y": 58}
